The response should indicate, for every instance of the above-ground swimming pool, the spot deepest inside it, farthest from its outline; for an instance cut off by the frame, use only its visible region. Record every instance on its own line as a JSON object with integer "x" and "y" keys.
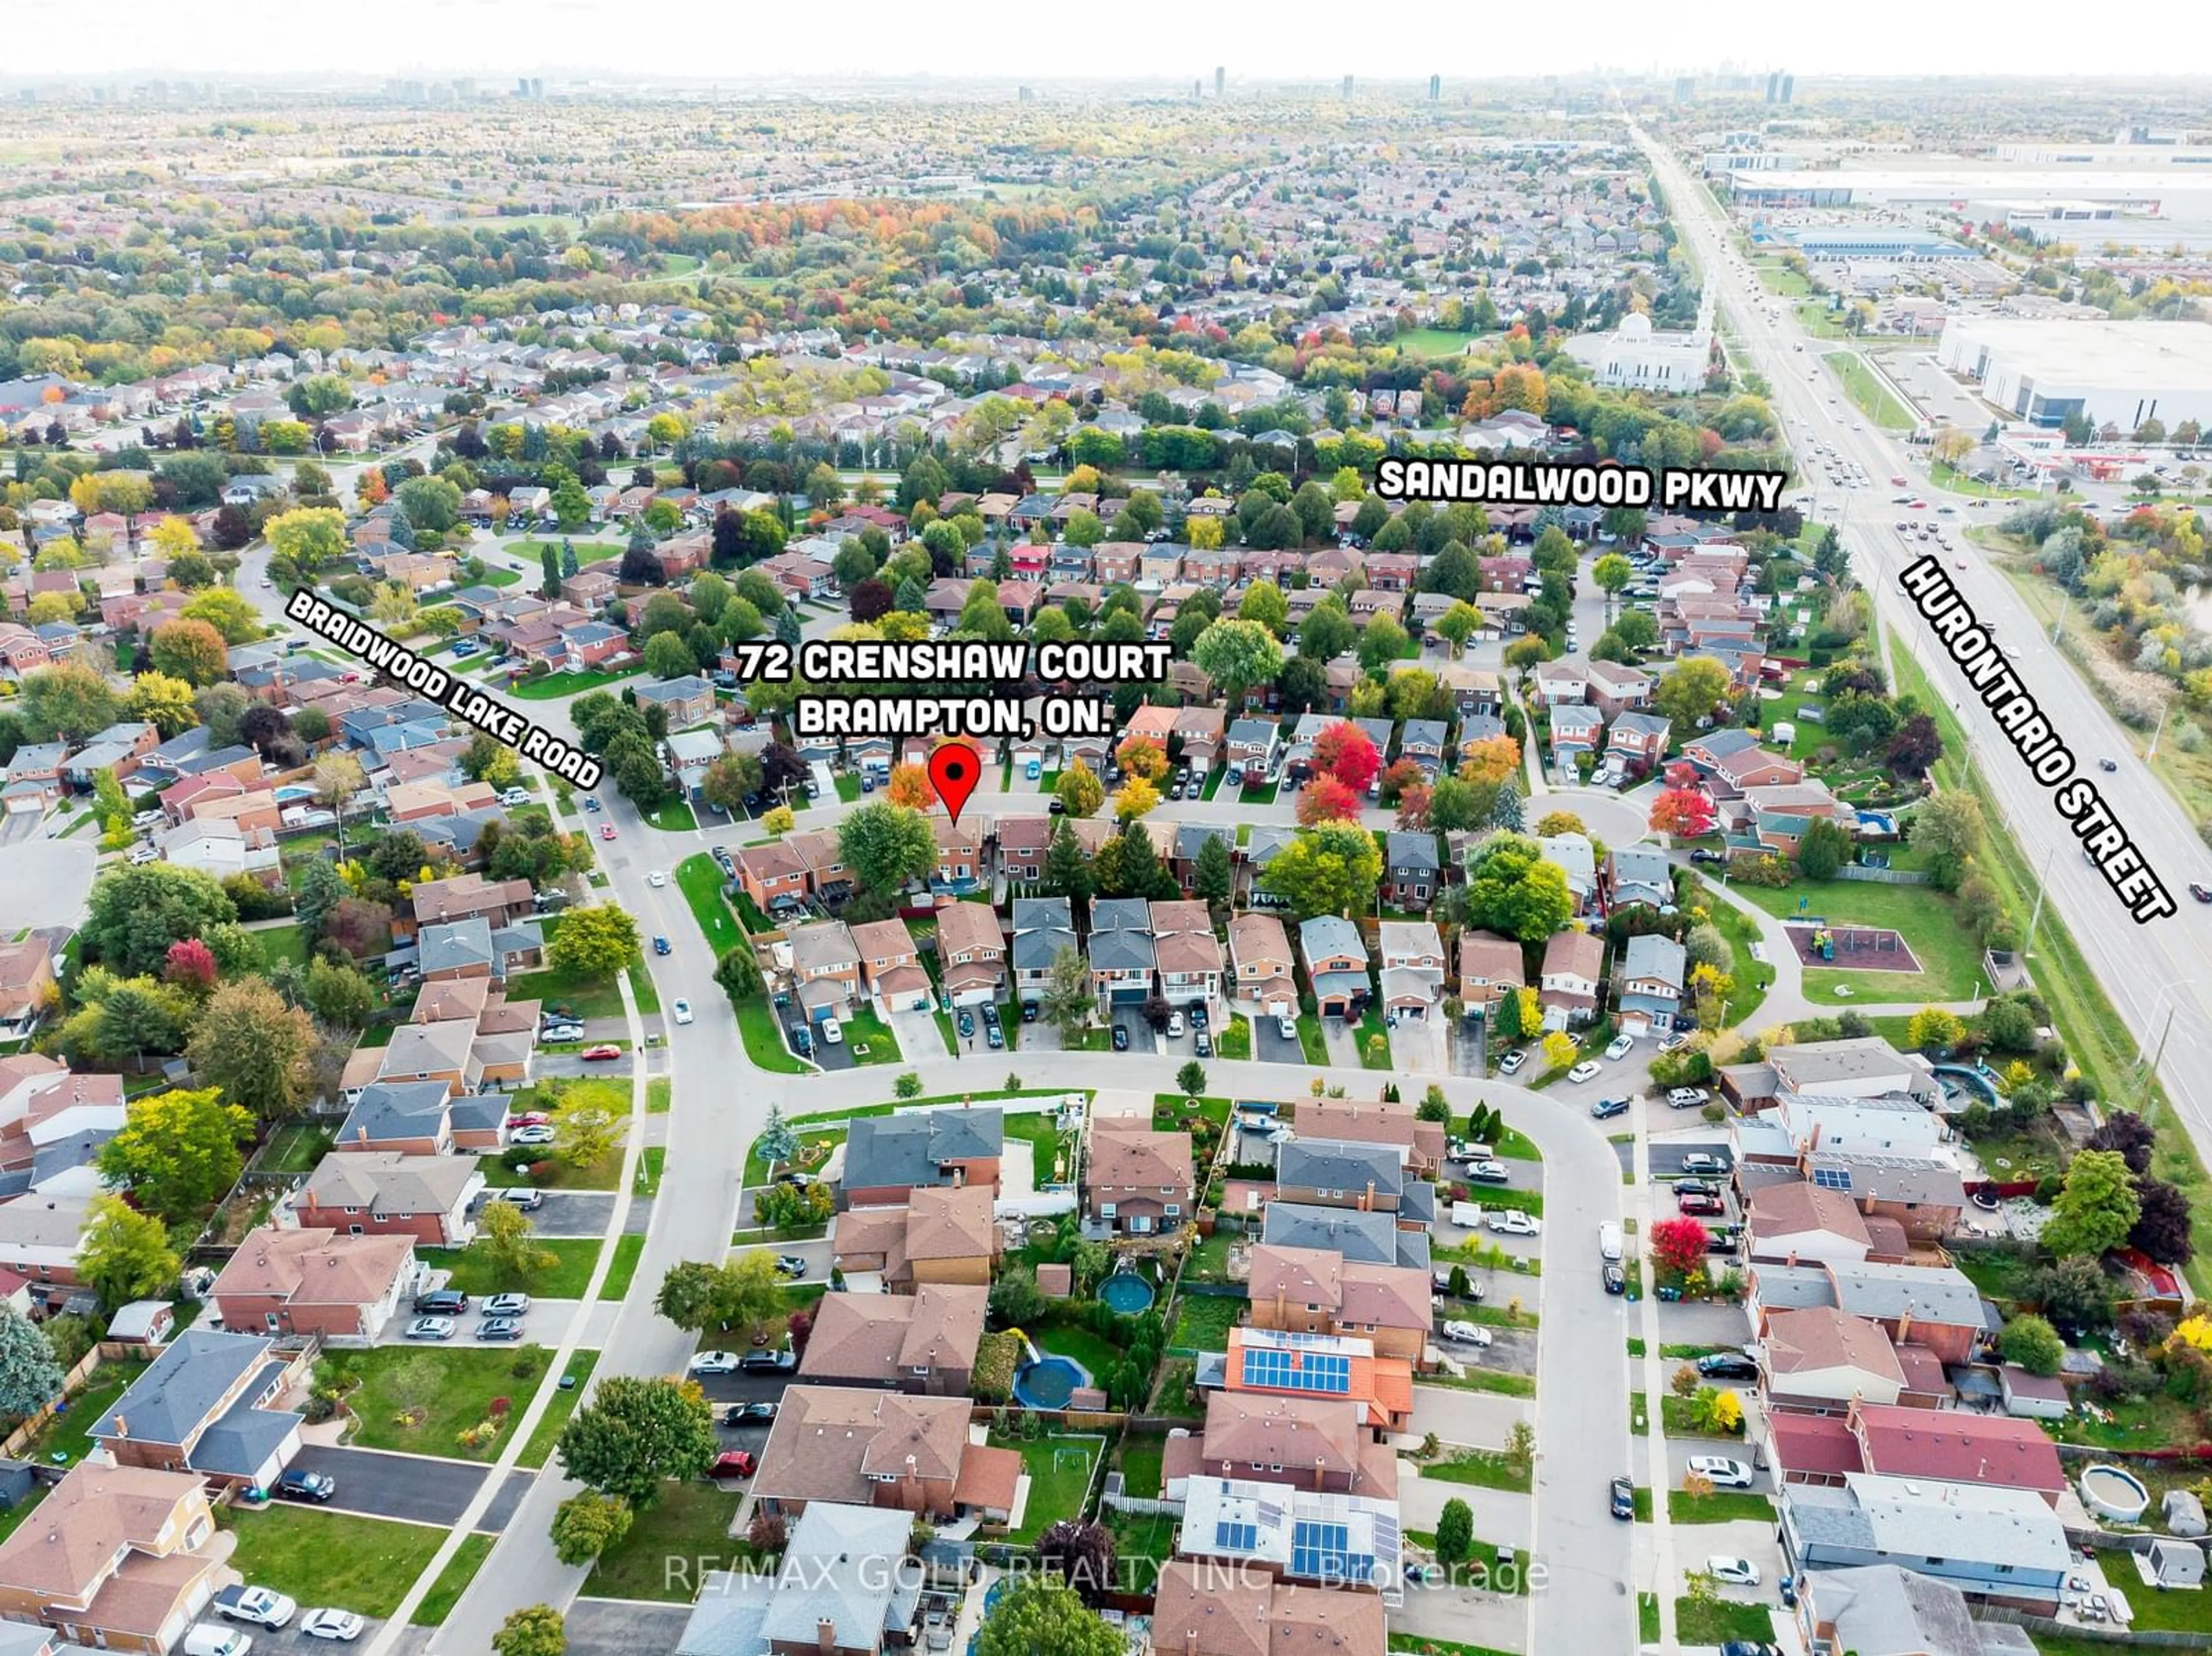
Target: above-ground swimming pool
{"x": 1126, "y": 1293}
{"x": 1049, "y": 1382}
{"x": 2114, "y": 1492}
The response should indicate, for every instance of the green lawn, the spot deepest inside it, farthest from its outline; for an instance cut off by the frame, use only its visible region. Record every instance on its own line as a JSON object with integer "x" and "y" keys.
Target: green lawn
{"x": 555, "y": 686}
{"x": 848, "y": 788}
{"x": 764, "y": 1041}
{"x": 1311, "y": 1041}
{"x": 1720, "y": 1507}
{"x": 295, "y": 1146}
{"x": 317, "y": 1557}
{"x": 1143, "y": 1542}
{"x": 1481, "y": 1468}
{"x": 700, "y": 878}
{"x": 452, "y": 1582}
{"x": 1203, "y": 1321}
{"x": 564, "y": 1279}
{"x": 865, "y": 1028}
{"x": 587, "y": 997}
{"x": 601, "y": 1174}
{"x": 66, "y": 1438}
{"x": 1371, "y": 1027}
{"x": 628, "y": 1250}
{"x": 650, "y": 1165}
{"x": 1486, "y": 1380}
{"x": 641, "y": 986}
{"x": 539, "y": 1449}
{"x": 1751, "y": 979}
{"x": 1434, "y": 342}
{"x": 1868, "y": 391}
{"x": 281, "y": 943}
{"x": 672, "y": 815}
{"x": 1715, "y": 1621}
{"x": 684, "y": 1532}
{"x": 1094, "y": 1351}
{"x": 1056, "y": 1491}
{"x": 1950, "y": 963}
{"x": 1263, "y": 794}
{"x": 1042, "y": 1135}
{"x": 658, "y": 1092}
{"x": 1142, "y": 1457}
{"x": 419, "y": 1398}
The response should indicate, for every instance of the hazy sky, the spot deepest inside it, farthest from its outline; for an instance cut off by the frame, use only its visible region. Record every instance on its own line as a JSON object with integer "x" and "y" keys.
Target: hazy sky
{"x": 1173, "y": 40}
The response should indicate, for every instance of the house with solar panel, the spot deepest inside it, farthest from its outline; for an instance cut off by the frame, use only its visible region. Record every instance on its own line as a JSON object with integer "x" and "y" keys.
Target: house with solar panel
{"x": 1343, "y": 1366}
{"x": 1348, "y": 1542}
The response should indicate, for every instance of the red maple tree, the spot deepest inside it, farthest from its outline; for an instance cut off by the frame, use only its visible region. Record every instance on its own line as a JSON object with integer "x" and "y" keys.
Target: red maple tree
{"x": 1684, "y": 813}
{"x": 1677, "y": 1247}
{"x": 1325, "y": 800}
{"x": 1347, "y": 753}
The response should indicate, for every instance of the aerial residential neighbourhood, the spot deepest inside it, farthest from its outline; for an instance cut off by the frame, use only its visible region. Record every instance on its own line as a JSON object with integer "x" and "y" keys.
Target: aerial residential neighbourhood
{"x": 1549, "y": 1078}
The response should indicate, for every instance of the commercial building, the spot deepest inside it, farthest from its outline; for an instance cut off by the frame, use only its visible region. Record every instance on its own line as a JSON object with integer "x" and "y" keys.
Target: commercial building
{"x": 2116, "y": 373}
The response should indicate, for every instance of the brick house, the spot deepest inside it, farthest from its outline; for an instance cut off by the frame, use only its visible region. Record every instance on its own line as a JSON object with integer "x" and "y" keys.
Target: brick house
{"x": 345, "y": 1289}
{"x": 206, "y": 1406}
{"x": 1490, "y": 967}
{"x": 1136, "y": 1181}
{"x": 1301, "y": 1290}
{"x": 428, "y": 1198}
{"x": 936, "y": 1236}
{"x": 923, "y": 1342}
{"x": 888, "y": 1156}
{"x": 1186, "y": 954}
{"x": 1573, "y": 972}
{"x": 971, "y": 953}
{"x": 873, "y": 1448}
{"x": 1260, "y": 964}
{"x": 890, "y": 967}
{"x": 121, "y": 1558}
{"x": 1336, "y": 964}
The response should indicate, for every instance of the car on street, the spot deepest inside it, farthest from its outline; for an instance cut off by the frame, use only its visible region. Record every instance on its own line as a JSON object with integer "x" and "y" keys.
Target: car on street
{"x": 681, "y": 1009}
{"x": 258, "y": 1606}
{"x": 531, "y": 1135}
{"x": 783, "y": 1361}
{"x": 1120, "y": 1037}
{"x": 1606, "y": 1108}
{"x": 297, "y": 1484}
{"x": 656, "y": 879}
{"x": 1512, "y": 1062}
{"x": 342, "y": 1626}
{"x": 1727, "y": 1365}
{"x": 1512, "y": 1222}
{"x": 604, "y": 1053}
{"x": 2108, "y": 765}
{"x": 1739, "y": 1572}
{"x": 750, "y": 1414}
{"x": 1703, "y": 1162}
{"x": 2202, "y": 892}
{"x": 1465, "y": 1333}
{"x": 1622, "y": 1494}
{"x": 591, "y": 802}
{"x": 1587, "y": 1070}
{"x": 660, "y": 944}
{"x": 1287, "y": 1027}
{"x": 713, "y": 1363}
{"x": 790, "y": 1265}
{"x": 1621, "y": 1046}
{"x": 1703, "y": 854}
{"x": 606, "y": 830}
{"x": 507, "y": 1305}
{"x": 1721, "y": 1473}
{"x": 500, "y": 1328}
{"x": 1424, "y": 1575}
{"x": 732, "y": 1463}
{"x": 1486, "y": 1173}
{"x": 1615, "y": 1279}
{"x": 430, "y": 1328}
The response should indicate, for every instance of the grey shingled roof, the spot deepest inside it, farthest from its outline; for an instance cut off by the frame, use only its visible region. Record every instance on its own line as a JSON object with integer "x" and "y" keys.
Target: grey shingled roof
{"x": 1338, "y": 1164}
{"x": 171, "y": 1400}
{"x": 1362, "y": 1238}
{"x": 462, "y": 943}
{"x": 907, "y": 1149}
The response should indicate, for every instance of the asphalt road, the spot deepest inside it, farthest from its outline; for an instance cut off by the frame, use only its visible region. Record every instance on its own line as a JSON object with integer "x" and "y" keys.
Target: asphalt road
{"x": 2155, "y": 972}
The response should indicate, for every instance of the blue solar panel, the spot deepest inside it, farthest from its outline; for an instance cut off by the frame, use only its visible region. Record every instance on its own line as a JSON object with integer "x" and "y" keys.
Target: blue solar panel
{"x": 1322, "y": 1552}
{"x": 1833, "y": 1178}
{"x": 1307, "y": 1371}
{"x": 1232, "y": 1536}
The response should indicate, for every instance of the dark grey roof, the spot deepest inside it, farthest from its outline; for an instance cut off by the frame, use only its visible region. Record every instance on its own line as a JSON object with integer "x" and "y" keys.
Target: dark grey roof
{"x": 1362, "y": 1238}
{"x": 1406, "y": 850}
{"x": 241, "y": 1443}
{"x": 907, "y": 1149}
{"x": 172, "y": 1400}
{"x": 460, "y": 831}
{"x": 1338, "y": 1164}
{"x": 1042, "y": 927}
{"x": 396, "y": 1109}
{"x": 77, "y": 1150}
{"x": 1121, "y": 914}
{"x": 1191, "y": 837}
{"x": 462, "y": 942}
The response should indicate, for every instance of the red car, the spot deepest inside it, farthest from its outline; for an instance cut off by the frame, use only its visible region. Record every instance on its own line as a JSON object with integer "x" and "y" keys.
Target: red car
{"x": 529, "y": 1119}
{"x": 732, "y": 1463}
{"x": 606, "y": 830}
{"x": 600, "y": 1053}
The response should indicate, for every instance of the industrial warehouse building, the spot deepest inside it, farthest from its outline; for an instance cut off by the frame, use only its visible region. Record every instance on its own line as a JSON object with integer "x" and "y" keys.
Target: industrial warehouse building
{"x": 2116, "y": 373}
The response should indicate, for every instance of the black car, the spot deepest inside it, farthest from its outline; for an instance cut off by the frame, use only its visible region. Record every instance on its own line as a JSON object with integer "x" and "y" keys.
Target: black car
{"x": 442, "y": 1302}
{"x": 749, "y": 1413}
{"x": 2203, "y": 892}
{"x": 1120, "y": 1039}
{"x": 1704, "y": 855}
{"x": 1028, "y": 1011}
{"x": 1205, "y": 1044}
{"x": 1696, "y": 1187}
{"x": 767, "y": 1362}
{"x": 990, "y": 1015}
{"x": 1727, "y": 1365}
{"x": 295, "y": 1483}
{"x": 1624, "y": 1498}
{"x": 802, "y": 1042}
{"x": 1616, "y": 1281}
{"x": 1055, "y": 806}
{"x": 1606, "y": 1108}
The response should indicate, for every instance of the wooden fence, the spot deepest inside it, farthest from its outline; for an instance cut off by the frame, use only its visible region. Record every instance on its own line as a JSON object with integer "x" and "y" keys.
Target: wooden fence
{"x": 12, "y": 1447}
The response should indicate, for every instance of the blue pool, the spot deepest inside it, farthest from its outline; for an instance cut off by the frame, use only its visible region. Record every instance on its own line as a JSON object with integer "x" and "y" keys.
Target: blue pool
{"x": 1049, "y": 1382}
{"x": 1126, "y": 1293}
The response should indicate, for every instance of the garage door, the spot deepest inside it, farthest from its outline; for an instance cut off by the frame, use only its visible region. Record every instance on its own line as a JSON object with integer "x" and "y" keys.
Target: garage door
{"x": 1128, "y": 996}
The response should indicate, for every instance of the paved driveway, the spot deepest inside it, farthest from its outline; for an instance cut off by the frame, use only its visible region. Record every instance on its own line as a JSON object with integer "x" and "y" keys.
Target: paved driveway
{"x": 1418, "y": 1046}
{"x": 43, "y": 881}
{"x": 1466, "y": 1041}
{"x": 575, "y": 1213}
{"x": 1479, "y": 1420}
{"x": 919, "y": 1037}
{"x": 1667, "y": 1158}
{"x": 1270, "y": 1047}
{"x": 621, "y": 1627}
{"x": 1703, "y": 1322}
{"x": 419, "y": 1488}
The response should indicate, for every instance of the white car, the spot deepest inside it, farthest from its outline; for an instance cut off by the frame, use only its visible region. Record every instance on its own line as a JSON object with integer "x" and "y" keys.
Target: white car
{"x": 262, "y": 1606}
{"x": 1586, "y": 1070}
{"x": 1486, "y": 1172}
{"x": 1287, "y": 1029}
{"x": 531, "y": 1135}
{"x": 1511, "y": 1222}
{"x": 1512, "y": 1061}
{"x": 1721, "y": 1472}
{"x": 342, "y": 1625}
{"x": 682, "y": 1011}
{"x": 1621, "y": 1046}
{"x": 1740, "y": 1571}
{"x": 714, "y": 1362}
{"x": 1175, "y": 1026}
{"x": 833, "y": 1033}
{"x": 1472, "y": 1334}
{"x": 656, "y": 879}
{"x": 430, "y": 1328}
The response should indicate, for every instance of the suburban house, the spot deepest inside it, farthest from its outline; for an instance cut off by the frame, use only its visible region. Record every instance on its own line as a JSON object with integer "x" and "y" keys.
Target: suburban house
{"x": 1957, "y": 1446}
{"x": 2003, "y": 1547}
{"x": 1317, "y": 1443}
{"x": 1410, "y": 871}
{"x": 876, "y": 1448}
{"x": 830, "y": 1595}
{"x": 1340, "y": 1173}
{"x": 1778, "y": 816}
{"x": 1297, "y": 1290}
{"x": 1363, "y": 1236}
{"x": 1879, "y": 1609}
{"x": 1123, "y": 952}
{"x": 959, "y": 866}
{"x": 1412, "y": 959}
{"x": 826, "y": 963}
{"x": 1490, "y": 968}
{"x": 464, "y": 897}
{"x": 120, "y": 1558}
{"x": 774, "y": 875}
{"x": 1195, "y": 1614}
{"x": 1573, "y": 973}
{"x": 939, "y": 1236}
{"x": 26, "y": 985}
{"x": 1420, "y": 1144}
{"x": 923, "y": 1342}
{"x": 1617, "y": 688}
{"x": 1637, "y": 874}
{"x": 1820, "y": 1358}
{"x": 1322, "y": 1365}
{"x": 689, "y": 700}
{"x": 1186, "y": 953}
{"x": 1652, "y": 979}
{"x": 1137, "y": 1182}
{"x": 1336, "y": 965}
{"x": 887, "y": 1157}
{"x": 344, "y": 1288}
{"x": 206, "y": 1406}
{"x": 1793, "y": 1219}
{"x": 891, "y": 967}
{"x": 428, "y": 1199}
{"x": 421, "y": 1118}
{"x": 971, "y": 953}
{"x": 1042, "y": 928}
{"x": 1260, "y": 964}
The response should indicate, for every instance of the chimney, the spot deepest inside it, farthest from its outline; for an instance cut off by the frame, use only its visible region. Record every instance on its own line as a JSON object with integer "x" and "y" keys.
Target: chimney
{"x": 122, "y": 1427}
{"x": 1905, "y": 1326}
{"x": 825, "y": 1635}
{"x": 361, "y": 1134}
{"x": 1367, "y": 1201}
{"x": 1319, "y": 1477}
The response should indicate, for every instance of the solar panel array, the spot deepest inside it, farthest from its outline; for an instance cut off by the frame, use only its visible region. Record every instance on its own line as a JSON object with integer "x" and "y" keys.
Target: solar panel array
{"x": 1306, "y": 1371}
{"x": 1833, "y": 1178}
{"x": 1322, "y": 1551}
{"x": 1229, "y": 1536}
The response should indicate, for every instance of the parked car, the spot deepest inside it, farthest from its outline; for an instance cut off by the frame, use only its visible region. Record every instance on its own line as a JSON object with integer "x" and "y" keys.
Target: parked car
{"x": 1704, "y": 854}
{"x": 1698, "y": 1206}
{"x": 507, "y": 1305}
{"x": 1606, "y": 1108}
{"x": 790, "y": 1265}
{"x": 297, "y": 1484}
{"x": 779, "y": 1362}
{"x": 1512, "y": 1221}
{"x": 994, "y": 1037}
{"x": 732, "y": 1463}
{"x": 1465, "y": 1333}
{"x": 430, "y": 1328}
{"x": 802, "y": 1042}
{"x": 1722, "y": 1473}
{"x": 750, "y": 1414}
{"x": 967, "y": 1025}
{"x": 1120, "y": 1037}
{"x": 1587, "y": 1070}
{"x": 342, "y": 1626}
{"x": 713, "y": 1363}
{"x": 1752, "y": 1647}
{"x": 1202, "y": 1044}
{"x": 500, "y": 1328}
{"x": 442, "y": 1302}
{"x": 797, "y": 1181}
{"x": 1441, "y": 1281}
{"x": 604, "y": 1053}
{"x": 1622, "y": 1494}
{"x": 1686, "y": 1098}
{"x": 1739, "y": 1572}
{"x": 833, "y": 1033}
{"x": 681, "y": 1009}
{"x": 257, "y": 1605}
{"x": 1512, "y": 1063}
{"x": 531, "y": 1136}
{"x": 560, "y": 1034}
{"x": 1486, "y": 1173}
{"x": 1615, "y": 1279}
{"x": 523, "y": 1198}
{"x": 1702, "y": 1162}
{"x": 1621, "y": 1046}
{"x": 1287, "y": 1027}
{"x": 1727, "y": 1365}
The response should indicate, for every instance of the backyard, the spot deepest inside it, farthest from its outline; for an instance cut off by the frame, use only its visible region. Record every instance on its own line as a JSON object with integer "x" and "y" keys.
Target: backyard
{"x": 66, "y": 1440}
{"x": 420, "y": 1401}
{"x": 1059, "y": 1478}
{"x": 323, "y": 1557}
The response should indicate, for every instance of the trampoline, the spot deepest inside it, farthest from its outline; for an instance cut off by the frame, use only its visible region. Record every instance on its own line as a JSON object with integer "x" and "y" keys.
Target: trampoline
{"x": 1125, "y": 1294}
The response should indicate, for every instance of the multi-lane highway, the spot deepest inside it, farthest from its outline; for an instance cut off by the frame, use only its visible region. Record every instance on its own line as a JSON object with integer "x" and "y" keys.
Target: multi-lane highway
{"x": 2149, "y": 971}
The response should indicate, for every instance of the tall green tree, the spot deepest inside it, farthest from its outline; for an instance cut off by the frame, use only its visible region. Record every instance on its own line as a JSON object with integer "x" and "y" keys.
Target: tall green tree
{"x": 125, "y": 1255}
{"x": 2096, "y": 1207}
{"x": 1512, "y": 891}
{"x": 134, "y": 914}
{"x": 1040, "y": 1617}
{"x": 887, "y": 846}
{"x": 535, "y": 1629}
{"x": 253, "y": 1047}
{"x": 30, "y": 1378}
{"x": 178, "y": 1151}
{"x": 1329, "y": 869}
{"x": 636, "y": 1433}
{"x": 595, "y": 942}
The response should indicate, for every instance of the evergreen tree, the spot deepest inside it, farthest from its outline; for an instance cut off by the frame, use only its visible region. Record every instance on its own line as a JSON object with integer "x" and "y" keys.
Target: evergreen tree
{"x": 549, "y": 562}
{"x": 787, "y": 626}
{"x": 1506, "y": 813}
{"x": 1067, "y": 868}
{"x": 569, "y": 565}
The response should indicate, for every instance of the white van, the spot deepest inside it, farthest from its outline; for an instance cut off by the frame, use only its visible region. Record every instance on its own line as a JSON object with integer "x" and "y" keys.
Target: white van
{"x": 213, "y": 1639}
{"x": 1609, "y": 1243}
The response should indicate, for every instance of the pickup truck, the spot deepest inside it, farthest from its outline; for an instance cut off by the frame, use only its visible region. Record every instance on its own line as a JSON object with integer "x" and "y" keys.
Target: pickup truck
{"x": 258, "y": 1605}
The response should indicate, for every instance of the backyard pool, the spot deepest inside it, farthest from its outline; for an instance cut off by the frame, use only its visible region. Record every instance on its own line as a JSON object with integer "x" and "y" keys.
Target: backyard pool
{"x": 1126, "y": 1293}
{"x": 1049, "y": 1382}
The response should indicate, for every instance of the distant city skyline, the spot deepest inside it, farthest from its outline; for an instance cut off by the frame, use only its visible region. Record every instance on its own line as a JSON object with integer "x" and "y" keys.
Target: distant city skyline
{"x": 496, "y": 39}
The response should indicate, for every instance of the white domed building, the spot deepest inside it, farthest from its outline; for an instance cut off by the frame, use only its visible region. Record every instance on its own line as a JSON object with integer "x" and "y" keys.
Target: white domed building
{"x": 1635, "y": 357}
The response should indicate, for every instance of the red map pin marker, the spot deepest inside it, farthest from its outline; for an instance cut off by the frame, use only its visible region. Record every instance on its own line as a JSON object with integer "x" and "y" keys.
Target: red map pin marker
{"x": 954, "y": 770}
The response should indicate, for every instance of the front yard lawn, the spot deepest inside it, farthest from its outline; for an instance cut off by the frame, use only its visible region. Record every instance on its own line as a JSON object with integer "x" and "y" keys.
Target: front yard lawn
{"x": 672, "y": 815}
{"x": 699, "y": 879}
{"x": 1311, "y": 1041}
{"x": 1716, "y": 1621}
{"x": 1481, "y": 1468}
{"x": 566, "y": 1278}
{"x": 684, "y": 1532}
{"x": 554, "y": 686}
{"x": 539, "y": 1449}
{"x": 419, "y": 1400}
{"x": 764, "y": 1041}
{"x": 1720, "y": 1507}
{"x": 323, "y": 1557}
{"x": 865, "y": 1028}
{"x": 602, "y": 1175}
{"x": 568, "y": 991}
